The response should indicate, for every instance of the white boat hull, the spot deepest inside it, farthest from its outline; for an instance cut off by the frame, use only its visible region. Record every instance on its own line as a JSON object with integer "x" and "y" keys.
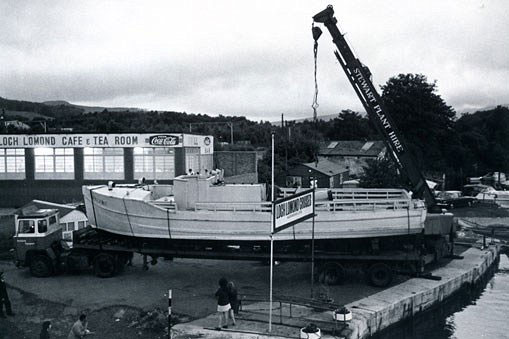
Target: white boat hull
{"x": 124, "y": 214}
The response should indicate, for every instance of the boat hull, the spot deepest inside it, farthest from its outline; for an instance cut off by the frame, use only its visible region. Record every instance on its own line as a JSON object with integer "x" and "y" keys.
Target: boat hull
{"x": 133, "y": 215}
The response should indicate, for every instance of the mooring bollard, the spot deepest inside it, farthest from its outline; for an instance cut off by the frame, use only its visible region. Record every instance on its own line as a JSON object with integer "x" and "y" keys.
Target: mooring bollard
{"x": 169, "y": 314}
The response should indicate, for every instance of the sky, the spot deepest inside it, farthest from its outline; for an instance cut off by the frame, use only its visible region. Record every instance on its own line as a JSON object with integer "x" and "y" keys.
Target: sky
{"x": 247, "y": 58}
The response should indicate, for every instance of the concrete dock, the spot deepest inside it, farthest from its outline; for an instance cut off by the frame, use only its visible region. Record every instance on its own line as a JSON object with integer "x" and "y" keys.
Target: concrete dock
{"x": 369, "y": 315}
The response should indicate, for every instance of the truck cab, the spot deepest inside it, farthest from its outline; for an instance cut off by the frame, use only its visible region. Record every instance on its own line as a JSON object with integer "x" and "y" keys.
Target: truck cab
{"x": 37, "y": 237}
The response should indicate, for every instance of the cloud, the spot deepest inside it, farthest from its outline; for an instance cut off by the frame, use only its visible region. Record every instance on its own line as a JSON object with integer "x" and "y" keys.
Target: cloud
{"x": 253, "y": 59}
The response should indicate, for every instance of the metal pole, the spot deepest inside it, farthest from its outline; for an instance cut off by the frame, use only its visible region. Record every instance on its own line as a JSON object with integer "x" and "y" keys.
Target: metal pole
{"x": 313, "y": 247}
{"x": 271, "y": 240}
{"x": 271, "y": 276}
{"x": 169, "y": 314}
{"x": 231, "y": 132}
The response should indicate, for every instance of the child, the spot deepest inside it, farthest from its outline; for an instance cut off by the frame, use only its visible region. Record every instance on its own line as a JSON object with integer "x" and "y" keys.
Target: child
{"x": 223, "y": 303}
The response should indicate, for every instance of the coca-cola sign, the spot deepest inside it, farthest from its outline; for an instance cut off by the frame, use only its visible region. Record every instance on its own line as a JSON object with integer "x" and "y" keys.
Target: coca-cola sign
{"x": 164, "y": 140}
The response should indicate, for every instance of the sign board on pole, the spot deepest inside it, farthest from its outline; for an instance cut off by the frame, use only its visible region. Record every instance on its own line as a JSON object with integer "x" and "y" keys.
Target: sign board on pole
{"x": 293, "y": 209}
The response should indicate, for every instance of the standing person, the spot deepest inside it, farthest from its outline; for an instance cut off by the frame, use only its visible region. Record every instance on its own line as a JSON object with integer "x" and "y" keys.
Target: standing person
{"x": 79, "y": 329}
{"x": 223, "y": 303}
{"x": 46, "y": 326}
{"x": 234, "y": 301}
{"x": 4, "y": 298}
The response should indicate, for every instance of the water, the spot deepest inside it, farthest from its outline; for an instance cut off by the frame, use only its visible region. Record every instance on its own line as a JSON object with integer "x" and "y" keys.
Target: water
{"x": 481, "y": 312}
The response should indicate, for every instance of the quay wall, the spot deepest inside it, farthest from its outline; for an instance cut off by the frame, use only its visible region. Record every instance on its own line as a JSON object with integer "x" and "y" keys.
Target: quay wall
{"x": 381, "y": 310}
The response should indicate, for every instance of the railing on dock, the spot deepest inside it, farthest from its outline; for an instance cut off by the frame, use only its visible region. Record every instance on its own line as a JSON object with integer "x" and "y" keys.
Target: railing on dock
{"x": 288, "y": 310}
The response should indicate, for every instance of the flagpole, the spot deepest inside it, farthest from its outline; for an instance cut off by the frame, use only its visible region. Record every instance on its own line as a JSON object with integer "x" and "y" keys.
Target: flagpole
{"x": 271, "y": 240}
{"x": 313, "y": 246}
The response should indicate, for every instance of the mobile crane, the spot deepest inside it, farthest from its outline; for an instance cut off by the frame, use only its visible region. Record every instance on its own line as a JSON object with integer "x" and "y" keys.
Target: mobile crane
{"x": 359, "y": 76}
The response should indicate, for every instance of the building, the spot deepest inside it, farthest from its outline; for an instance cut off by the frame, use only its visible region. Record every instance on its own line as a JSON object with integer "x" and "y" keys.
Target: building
{"x": 16, "y": 124}
{"x": 324, "y": 173}
{"x": 352, "y": 154}
{"x": 53, "y": 167}
{"x": 71, "y": 218}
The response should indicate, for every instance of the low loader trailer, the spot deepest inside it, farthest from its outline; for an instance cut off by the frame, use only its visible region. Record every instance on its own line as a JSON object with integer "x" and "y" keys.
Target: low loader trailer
{"x": 39, "y": 246}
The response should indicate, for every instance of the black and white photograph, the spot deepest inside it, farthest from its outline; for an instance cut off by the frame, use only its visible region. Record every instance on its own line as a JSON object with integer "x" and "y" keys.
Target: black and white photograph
{"x": 254, "y": 169}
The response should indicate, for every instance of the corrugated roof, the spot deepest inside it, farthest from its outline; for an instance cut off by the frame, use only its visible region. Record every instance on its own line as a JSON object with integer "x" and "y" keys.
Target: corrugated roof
{"x": 352, "y": 148}
{"x": 326, "y": 167}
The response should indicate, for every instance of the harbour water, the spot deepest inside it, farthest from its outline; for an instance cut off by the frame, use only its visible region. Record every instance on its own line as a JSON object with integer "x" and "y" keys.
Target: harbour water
{"x": 471, "y": 314}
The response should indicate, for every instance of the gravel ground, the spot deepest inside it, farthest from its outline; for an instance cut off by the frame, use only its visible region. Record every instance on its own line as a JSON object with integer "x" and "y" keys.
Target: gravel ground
{"x": 61, "y": 298}
{"x": 117, "y": 307}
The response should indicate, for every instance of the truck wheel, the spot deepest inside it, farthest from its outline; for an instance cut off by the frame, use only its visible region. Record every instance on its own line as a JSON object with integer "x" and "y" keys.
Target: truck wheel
{"x": 332, "y": 274}
{"x": 380, "y": 275}
{"x": 41, "y": 266}
{"x": 104, "y": 265}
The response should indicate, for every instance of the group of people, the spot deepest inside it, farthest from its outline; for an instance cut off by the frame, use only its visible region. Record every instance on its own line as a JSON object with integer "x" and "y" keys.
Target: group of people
{"x": 228, "y": 305}
{"x": 227, "y": 302}
{"x": 78, "y": 330}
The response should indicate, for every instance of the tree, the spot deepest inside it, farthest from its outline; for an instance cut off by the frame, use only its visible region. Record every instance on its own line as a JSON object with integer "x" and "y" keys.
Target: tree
{"x": 424, "y": 119}
{"x": 382, "y": 173}
{"x": 350, "y": 125}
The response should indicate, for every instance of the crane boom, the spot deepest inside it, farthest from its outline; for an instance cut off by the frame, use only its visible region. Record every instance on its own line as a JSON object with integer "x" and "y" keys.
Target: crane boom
{"x": 359, "y": 77}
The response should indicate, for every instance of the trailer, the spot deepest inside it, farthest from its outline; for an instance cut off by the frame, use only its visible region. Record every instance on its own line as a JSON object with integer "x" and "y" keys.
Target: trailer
{"x": 39, "y": 246}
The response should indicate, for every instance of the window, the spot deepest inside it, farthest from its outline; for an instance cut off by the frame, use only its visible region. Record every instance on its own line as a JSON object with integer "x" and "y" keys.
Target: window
{"x": 26, "y": 226}
{"x": 54, "y": 163}
{"x": 103, "y": 163}
{"x": 70, "y": 226}
{"x": 81, "y": 224}
{"x": 198, "y": 162}
{"x": 12, "y": 163}
{"x": 154, "y": 163}
{"x": 294, "y": 181}
{"x": 42, "y": 226}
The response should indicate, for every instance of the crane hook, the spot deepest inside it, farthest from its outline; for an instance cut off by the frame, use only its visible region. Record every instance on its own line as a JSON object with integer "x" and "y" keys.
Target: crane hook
{"x": 316, "y": 32}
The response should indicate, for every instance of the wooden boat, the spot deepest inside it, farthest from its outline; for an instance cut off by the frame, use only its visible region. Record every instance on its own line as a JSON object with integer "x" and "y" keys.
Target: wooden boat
{"x": 201, "y": 208}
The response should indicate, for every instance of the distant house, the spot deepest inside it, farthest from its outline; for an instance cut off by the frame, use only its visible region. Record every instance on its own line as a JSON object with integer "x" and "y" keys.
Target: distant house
{"x": 16, "y": 124}
{"x": 352, "y": 154}
{"x": 71, "y": 218}
{"x": 324, "y": 173}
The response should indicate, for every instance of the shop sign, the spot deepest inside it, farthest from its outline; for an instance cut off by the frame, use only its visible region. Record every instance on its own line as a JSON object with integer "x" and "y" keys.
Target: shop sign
{"x": 293, "y": 209}
{"x": 88, "y": 140}
{"x": 164, "y": 140}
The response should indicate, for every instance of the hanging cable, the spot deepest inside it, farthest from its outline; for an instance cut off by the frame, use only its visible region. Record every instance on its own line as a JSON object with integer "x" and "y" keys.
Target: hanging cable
{"x": 316, "y": 34}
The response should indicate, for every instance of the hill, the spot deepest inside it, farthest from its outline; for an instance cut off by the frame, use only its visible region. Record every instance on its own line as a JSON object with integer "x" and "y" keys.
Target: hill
{"x": 91, "y": 109}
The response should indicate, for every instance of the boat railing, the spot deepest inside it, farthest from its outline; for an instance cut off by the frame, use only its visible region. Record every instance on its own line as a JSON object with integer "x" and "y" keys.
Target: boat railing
{"x": 168, "y": 205}
{"x": 356, "y": 193}
{"x": 377, "y": 193}
{"x": 363, "y": 204}
{"x": 323, "y": 205}
{"x": 263, "y": 206}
